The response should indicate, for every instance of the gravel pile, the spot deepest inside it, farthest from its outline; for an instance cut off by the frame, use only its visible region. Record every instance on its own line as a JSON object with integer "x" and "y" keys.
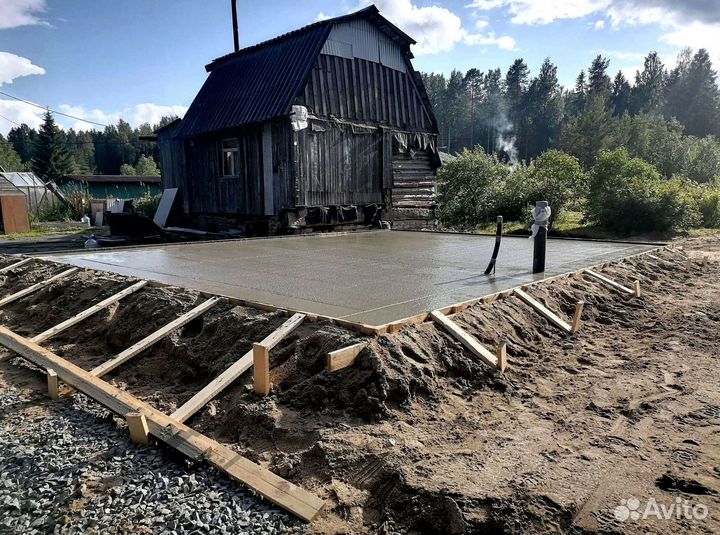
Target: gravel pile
{"x": 67, "y": 468}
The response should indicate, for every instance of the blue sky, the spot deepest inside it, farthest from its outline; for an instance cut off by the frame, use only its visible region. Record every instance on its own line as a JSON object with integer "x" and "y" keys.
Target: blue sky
{"x": 140, "y": 59}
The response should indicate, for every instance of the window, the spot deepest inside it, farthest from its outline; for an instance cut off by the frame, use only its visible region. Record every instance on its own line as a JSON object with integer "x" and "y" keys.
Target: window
{"x": 231, "y": 157}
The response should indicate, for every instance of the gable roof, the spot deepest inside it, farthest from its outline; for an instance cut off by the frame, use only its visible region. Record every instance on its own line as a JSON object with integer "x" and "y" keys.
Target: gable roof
{"x": 261, "y": 82}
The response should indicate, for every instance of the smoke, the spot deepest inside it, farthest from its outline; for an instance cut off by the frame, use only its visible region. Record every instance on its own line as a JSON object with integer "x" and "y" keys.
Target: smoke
{"x": 504, "y": 141}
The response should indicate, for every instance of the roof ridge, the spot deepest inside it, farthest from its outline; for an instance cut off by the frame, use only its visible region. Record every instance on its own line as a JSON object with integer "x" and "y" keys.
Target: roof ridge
{"x": 371, "y": 10}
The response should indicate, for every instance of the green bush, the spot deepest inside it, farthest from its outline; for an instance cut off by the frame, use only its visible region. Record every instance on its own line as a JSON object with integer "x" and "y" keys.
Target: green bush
{"x": 556, "y": 177}
{"x": 57, "y": 212}
{"x": 628, "y": 195}
{"x": 709, "y": 206}
{"x": 468, "y": 188}
{"x": 147, "y": 205}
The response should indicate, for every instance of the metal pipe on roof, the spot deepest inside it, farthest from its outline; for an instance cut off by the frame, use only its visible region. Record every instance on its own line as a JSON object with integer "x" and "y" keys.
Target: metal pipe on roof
{"x": 236, "y": 36}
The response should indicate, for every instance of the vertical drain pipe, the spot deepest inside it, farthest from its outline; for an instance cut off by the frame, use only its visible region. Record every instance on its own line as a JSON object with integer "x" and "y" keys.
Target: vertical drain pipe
{"x": 541, "y": 215}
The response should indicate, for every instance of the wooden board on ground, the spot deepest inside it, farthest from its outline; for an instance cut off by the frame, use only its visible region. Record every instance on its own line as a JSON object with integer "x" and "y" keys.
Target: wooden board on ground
{"x": 609, "y": 282}
{"x": 195, "y": 445}
{"x": 16, "y": 265}
{"x": 30, "y": 289}
{"x": 151, "y": 339}
{"x": 548, "y": 314}
{"x": 222, "y": 381}
{"x": 60, "y": 327}
{"x": 465, "y": 338}
{"x": 342, "y": 358}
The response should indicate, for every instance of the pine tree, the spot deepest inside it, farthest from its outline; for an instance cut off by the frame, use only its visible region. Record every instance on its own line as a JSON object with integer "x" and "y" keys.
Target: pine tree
{"x": 51, "y": 158}
{"x": 648, "y": 95}
{"x": 702, "y": 111}
{"x": 599, "y": 84}
{"x": 544, "y": 109}
{"x": 516, "y": 86}
{"x": 23, "y": 141}
{"x": 620, "y": 98}
{"x": 578, "y": 98}
{"x": 9, "y": 159}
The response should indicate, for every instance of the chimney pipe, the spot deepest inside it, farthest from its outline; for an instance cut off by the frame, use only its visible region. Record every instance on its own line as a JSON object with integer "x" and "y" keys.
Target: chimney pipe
{"x": 236, "y": 38}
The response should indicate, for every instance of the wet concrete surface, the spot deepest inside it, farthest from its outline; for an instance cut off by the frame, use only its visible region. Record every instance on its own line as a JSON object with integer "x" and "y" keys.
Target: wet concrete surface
{"x": 367, "y": 277}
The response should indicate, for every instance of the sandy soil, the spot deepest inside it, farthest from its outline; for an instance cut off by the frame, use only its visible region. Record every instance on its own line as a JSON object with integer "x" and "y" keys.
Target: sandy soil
{"x": 420, "y": 437}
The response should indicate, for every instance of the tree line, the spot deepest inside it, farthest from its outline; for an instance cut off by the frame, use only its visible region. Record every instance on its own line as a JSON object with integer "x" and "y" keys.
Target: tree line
{"x": 519, "y": 117}
{"x": 52, "y": 152}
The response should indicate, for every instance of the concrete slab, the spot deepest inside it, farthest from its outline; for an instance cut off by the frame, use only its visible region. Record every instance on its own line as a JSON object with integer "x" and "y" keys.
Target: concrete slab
{"x": 367, "y": 277}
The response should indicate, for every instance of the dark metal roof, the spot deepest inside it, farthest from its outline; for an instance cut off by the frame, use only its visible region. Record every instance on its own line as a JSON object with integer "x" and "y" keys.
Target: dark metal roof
{"x": 114, "y": 179}
{"x": 261, "y": 82}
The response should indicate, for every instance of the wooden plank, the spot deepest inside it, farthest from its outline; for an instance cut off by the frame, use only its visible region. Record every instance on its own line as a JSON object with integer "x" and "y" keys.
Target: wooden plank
{"x": 222, "y": 381}
{"x": 60, "y": 327}
{"x": 548, "y": 314}
{"x": 465, "y": 338}
{"x": 636, "y": 288}
{"x": 176, "y": 434}
{"x": 16, "y": 265}
{"x": 577, "y": 316}
{"x": 15, "y": 214}
{"x": 153, "y": 338}
{"x": 261, "y": 370}
{"x": 30, "y": 289}
{"x": 342, "y": 358}
{"x": 138, "y": 427}
{"x": 609, "y": 282}
{"x": 52, "y": 384}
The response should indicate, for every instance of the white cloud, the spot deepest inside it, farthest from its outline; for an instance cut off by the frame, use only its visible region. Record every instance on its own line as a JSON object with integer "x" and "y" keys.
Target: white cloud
{"x": 542, "y": 11}
{"x": 14, "y": 13}
{"x": 15, "y": 112}
{"x": 687, "y": 23}
{"x": 12, "y": 66}
{"x": 20, "y": 112}
{"x": 505, "y": 42}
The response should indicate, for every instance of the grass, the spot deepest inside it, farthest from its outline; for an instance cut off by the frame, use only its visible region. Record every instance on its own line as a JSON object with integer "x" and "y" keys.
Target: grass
{"x": 40, "y": 232}
{"x": 571, "y": 225}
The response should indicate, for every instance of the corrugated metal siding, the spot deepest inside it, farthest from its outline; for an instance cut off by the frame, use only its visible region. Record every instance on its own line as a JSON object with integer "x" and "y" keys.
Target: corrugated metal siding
{"x": 255, "y": 86}
{"x": 339, "y": 167}
{"x": 363, "y": 40}
{"x": 365, "y": 91}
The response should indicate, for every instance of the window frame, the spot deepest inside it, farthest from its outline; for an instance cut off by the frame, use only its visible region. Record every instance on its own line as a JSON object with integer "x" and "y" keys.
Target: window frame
{"x": 234, "y": 150}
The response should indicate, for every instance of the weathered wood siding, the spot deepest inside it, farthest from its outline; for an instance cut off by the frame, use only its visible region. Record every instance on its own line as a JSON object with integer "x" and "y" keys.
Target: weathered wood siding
{"x": 365, "y": 91}
{"x": 338, "y": 166}
{"x": 205, "y": 189}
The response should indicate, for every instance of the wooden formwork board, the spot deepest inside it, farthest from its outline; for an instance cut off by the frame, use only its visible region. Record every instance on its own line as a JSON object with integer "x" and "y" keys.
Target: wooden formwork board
{"x": 195, "y": 445}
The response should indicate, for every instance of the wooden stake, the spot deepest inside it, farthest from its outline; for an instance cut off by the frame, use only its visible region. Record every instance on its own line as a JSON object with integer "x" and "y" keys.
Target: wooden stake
{"x": 501, "y": 354}
{"x": 577, "y": 316}
{"x": 52, "y": 384}
{"x": 261, "y": 369}
{"x": 30, "y": 289}
{"x": 138, "y": 426}
{"x": 636, "y": 287}
{"x": 342, "y": 358}
{"x": 548, "y": 314}
{"x": 705, "y": 261}
{"x": 176, "y": 434}
{"x": 60, "y": 327}
{"x": 16, "y": 265}
{"x": 222, "y": 381}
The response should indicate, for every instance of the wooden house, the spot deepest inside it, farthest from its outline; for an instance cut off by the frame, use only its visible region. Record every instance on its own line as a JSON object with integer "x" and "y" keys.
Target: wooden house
{"x": 324, "y": 126}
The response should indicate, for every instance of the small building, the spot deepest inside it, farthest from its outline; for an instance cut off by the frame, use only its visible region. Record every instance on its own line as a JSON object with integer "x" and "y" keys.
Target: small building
{"x": 326, "y": 125}
{"x": 109, "y": 186}
{"x": 13, "y": 207}
{"x": 37, "y": 195}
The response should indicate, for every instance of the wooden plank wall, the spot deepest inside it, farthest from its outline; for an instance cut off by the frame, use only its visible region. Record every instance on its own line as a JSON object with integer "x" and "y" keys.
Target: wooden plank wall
{"x": 339, "y": 166}
{"x": 14, "y": 214}
{"x": 365, "y": 91}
